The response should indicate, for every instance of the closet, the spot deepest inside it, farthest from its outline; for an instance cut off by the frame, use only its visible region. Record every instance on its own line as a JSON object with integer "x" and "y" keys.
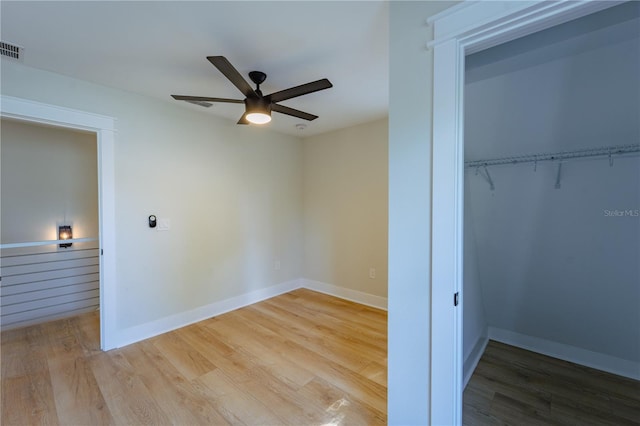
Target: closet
{"x": 552, "y": 193}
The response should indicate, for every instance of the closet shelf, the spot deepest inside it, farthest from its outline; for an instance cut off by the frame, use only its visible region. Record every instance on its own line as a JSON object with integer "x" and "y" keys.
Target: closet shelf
{"x": 608, "y": 151}
{"x": 45, "y": 243}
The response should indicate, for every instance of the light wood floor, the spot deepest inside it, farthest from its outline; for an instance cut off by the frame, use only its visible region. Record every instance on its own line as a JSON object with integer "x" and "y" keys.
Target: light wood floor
{"x": 298, "y": 359}
{"x": 518, "y": 387}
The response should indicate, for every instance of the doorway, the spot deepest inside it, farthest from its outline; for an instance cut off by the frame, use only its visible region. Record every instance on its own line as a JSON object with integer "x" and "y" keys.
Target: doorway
{"x": 457, "y": 32}
{"x": 551, "y": 145}
{"x": 104, "y": 129}
{"x": 50, "y": 250}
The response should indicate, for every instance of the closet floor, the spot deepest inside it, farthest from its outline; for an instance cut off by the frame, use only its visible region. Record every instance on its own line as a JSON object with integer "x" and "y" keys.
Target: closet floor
{"x": 518, "y": 387}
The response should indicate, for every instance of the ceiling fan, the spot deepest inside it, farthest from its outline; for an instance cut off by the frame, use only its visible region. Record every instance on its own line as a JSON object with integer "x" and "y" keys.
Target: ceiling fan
{"x": 258, "y": 107}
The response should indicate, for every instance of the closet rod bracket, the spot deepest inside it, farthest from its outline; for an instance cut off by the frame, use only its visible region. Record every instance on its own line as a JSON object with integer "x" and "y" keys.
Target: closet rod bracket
{"x": 488, "y": 176}
{"x": 558, "y": 176}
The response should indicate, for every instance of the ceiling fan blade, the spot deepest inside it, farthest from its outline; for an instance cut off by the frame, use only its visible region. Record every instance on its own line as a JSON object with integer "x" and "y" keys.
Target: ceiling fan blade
{"x": 225, "y": 67}
{"x": 293, "y": 112}
{"x": 243, "y": 119}
{"x": 205, "y": 99}
{"x": 300, "y": 90}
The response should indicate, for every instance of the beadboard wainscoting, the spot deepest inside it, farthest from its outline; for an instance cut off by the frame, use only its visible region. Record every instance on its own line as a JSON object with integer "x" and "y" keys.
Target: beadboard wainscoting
{"x": 43, "y": 283}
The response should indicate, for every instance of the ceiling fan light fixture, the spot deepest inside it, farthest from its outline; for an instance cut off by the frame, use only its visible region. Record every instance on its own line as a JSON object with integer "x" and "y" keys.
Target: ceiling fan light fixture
{"x": 258, "y": 111}
{"x": 258, "y": 117}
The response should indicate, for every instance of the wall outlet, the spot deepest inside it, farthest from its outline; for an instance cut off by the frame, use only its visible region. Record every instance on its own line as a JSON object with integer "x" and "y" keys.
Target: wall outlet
{"x": 276, "y": 265}
{"x": 372, "y": 273}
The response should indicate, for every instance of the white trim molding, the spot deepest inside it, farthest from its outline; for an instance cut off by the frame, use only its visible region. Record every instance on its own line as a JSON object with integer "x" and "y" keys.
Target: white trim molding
{"x": 346, "y": 293}
{"x": 483, "y": 24}
{"x": 597, "y": 360}
{"x": 163, "y": 325}
{"x": 28, "y": 110}
{"x": 464, "y": 29}
{"x": 473, "y": 358}
{"x": 104, "y": 128}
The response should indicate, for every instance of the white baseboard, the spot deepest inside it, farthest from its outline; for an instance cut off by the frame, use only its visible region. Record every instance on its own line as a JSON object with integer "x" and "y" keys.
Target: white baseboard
{"x": 608, "y": 363}
{"x": 473, "y": 359}
{"x": 164, "y": 325}
{"x": 346, "y": 293}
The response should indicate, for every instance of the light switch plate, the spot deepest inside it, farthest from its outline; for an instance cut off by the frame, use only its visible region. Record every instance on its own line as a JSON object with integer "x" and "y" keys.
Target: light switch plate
{"x": 164, "y": 224}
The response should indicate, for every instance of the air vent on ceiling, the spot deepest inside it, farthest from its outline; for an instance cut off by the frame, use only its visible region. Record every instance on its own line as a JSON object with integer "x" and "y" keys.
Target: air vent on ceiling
{"x": 11, "y": 51}
{"x": 200, "y": 103}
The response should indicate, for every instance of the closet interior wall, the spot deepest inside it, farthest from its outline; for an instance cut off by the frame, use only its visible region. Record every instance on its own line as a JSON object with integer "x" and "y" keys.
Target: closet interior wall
{"x": 551, "y": 257}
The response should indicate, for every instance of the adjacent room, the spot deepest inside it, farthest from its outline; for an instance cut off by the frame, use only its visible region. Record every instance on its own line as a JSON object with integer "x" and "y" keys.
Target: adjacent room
{"x": 49, "y": 188}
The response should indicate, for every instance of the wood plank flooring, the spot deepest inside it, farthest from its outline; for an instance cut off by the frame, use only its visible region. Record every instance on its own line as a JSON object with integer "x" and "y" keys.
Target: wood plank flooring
{"x": 301, "y": 358}
{"x": 512, "y": 386}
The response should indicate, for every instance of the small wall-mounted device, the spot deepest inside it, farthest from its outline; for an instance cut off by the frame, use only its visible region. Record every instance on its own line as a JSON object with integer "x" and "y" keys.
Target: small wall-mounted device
{"x": 152, "y": 221}
{"x": 65, "y": 233}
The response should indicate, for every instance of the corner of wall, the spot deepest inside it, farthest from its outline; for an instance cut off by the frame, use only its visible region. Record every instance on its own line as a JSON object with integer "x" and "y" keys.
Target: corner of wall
{"x": 599, "y": 361}
{"x": 472, "y": 360}
{"x": 345, "y": 293}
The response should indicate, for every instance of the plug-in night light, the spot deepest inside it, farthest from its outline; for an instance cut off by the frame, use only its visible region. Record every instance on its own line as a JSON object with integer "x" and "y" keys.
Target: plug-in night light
{"x": 65, "y": 233}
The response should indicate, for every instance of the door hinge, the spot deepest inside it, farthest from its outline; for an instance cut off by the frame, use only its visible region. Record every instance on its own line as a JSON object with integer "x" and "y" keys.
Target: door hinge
{"x": 101, "y": 252}
{"x": 456, "y": 298}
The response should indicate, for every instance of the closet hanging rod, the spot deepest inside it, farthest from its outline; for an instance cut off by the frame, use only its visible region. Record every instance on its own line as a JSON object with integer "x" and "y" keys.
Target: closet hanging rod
{"x": 563, "y": 155}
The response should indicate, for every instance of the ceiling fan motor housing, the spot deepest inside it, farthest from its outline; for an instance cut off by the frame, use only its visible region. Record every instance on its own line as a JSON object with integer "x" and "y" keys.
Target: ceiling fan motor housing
{"x": 261, "y": 104}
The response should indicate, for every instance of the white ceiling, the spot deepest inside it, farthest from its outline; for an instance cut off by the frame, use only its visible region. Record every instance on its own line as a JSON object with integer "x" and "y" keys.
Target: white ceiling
{"x": 158, "y": 48}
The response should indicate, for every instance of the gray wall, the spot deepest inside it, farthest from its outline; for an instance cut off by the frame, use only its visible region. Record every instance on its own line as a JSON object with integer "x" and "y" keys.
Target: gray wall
{"x": 570, "y": 87}
{"x": 474, "y": 323}
{"x": 552, "y": 263}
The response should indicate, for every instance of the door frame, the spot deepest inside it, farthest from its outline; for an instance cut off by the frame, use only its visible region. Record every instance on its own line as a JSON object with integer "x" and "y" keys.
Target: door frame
{"x": 104, "y": 129}
{"x": 458, "y": 31}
